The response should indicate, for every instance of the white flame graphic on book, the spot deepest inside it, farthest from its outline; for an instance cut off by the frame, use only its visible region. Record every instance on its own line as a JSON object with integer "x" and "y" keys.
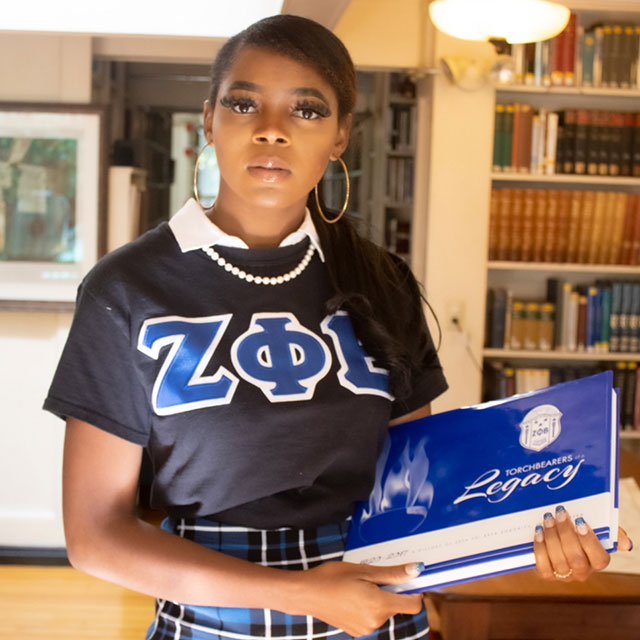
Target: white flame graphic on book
{"x": 401, "y": 495}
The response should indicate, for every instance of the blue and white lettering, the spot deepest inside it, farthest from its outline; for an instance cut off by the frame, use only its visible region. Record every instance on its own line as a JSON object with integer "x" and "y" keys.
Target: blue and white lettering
{"x": 281, "y": 357}
{"x": 180, "y": 385}
{"x": 357, "y": 372}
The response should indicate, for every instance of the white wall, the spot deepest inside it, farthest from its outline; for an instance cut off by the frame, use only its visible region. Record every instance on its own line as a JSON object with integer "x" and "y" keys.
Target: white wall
{"x": 456, "y": 221}
{"x": 34, "y": 68}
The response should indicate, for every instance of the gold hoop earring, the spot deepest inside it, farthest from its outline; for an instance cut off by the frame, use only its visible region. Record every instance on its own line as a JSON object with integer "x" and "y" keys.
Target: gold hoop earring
{"x": 346, "y": 200}
{"x": 195, "y": 176}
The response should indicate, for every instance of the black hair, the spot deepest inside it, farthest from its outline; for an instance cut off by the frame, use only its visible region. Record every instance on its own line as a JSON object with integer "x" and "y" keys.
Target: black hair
{"x": 377, "y": 289}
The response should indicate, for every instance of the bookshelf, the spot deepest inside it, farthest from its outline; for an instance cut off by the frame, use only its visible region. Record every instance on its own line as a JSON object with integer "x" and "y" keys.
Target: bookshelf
{"x": 380, "y": 159}
{"x": 394, "y": 149}
{"x": 527, "y": 280}
{"x": 564, "y": 356}
{"x": 569, "y": 179}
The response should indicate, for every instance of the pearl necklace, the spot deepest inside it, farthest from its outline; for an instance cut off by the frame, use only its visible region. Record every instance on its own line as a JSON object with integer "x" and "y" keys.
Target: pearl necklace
{"x": 249, "y": 277}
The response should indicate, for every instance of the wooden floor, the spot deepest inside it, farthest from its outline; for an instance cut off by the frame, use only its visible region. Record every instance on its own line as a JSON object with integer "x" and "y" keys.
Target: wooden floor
{"x": 38, "y": 603}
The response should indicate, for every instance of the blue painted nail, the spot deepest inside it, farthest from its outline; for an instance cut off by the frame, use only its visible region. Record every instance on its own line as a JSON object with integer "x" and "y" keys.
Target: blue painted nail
{"x": 580, "y": 521}
{"x": 539, "y": 536}
{"x": 561, "y": 513}
{"x": 415, "y": 569}
{"x": 548, "y": 520}
{"x": 539, "y": 528}
{"x": 581, "y": 526}
{"x": 548, "y": 515}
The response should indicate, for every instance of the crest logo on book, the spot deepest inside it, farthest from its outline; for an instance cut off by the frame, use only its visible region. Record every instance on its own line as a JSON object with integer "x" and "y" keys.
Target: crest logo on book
{"x": 540, "y": 427}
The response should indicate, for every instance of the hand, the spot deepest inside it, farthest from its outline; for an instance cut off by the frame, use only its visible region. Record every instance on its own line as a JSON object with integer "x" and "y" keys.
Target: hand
{"x": 348, "y": 596}
{"x": 567, "y": 552}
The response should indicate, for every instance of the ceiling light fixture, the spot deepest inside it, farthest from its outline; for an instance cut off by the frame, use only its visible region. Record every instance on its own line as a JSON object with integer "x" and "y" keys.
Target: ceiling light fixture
{"x": 512, "y": 20}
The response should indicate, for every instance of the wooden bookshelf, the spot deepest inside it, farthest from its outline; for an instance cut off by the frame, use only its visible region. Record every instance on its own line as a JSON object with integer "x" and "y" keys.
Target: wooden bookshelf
{"x": 570, "y": 91}
{"x": 567, "y": 178}
{"x": 560, "y": 267}
{"x": 573, "y": 356}
{"x": 527, "y": 280}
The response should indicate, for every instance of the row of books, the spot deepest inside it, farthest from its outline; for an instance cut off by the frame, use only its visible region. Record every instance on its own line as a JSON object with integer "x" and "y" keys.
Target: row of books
{"x": 399, "y": 180}
{"x": 573, "y": 141}
{"x": 530, "y": 326}
{"x": 502, "y": 380}
{"x": 398, "y": 237}
{"x": 597, "y": 318}
{"x": 565, "y": 226}
{"x": 594, "y": 55}
{"x": 400, "y": 126}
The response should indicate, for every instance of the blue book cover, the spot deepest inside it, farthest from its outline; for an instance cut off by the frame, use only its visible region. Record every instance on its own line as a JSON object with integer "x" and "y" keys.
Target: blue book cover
{"x": 463, "y": 490}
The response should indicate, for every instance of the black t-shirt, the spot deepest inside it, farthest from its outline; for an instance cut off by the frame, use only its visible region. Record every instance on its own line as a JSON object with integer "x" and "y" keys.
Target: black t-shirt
{"x": 256, "y": 406}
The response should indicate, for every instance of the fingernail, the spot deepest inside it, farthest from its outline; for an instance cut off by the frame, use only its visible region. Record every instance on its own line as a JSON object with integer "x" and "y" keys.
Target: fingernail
{"x": 415, "y": 568}
{"x": 539, "y": 536}
{"x": 561, "y": 513}
{"x": 581, "y": 526}
{"x": 548, "y": 520}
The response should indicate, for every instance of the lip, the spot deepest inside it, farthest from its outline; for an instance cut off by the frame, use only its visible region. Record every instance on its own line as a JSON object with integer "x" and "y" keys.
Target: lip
{"x": 269, "y": 169}
{"x": 269, "y": 162}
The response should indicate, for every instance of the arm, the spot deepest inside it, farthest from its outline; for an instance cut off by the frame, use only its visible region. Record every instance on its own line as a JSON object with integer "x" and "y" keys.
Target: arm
{"x": 422, "y": 412}
{"x": 106, "y": 539}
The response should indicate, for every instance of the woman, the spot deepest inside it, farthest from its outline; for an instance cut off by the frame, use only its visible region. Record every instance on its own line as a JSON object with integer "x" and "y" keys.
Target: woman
{"x": 225, "y": 343}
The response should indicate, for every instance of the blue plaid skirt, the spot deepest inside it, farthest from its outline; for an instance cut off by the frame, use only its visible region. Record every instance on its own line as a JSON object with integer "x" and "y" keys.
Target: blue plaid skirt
{"x": 285, "y": 548}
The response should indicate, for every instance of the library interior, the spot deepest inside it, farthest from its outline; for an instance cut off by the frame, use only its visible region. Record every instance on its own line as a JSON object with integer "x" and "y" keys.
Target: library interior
{"x": 497, "y": 155}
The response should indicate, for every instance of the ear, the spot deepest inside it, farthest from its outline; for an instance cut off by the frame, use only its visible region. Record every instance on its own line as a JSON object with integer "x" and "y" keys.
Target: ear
{"x": 342, "y": 137}
{"x": 207, "y": 117}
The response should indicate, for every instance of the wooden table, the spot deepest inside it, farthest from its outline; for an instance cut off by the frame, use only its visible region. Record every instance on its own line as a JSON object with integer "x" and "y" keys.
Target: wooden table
{"x": 521, "y": 606}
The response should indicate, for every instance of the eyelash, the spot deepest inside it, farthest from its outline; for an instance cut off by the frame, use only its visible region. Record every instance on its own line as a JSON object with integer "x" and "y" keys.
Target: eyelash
{"x": 240, "y": 105}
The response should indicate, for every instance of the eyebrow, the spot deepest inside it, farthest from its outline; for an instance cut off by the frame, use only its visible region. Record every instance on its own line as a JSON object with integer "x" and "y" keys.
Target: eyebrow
{"x": 298, "y": 91}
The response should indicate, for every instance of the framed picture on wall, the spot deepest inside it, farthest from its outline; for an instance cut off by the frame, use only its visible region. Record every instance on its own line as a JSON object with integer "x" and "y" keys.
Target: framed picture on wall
{"x": 52, "y": 161}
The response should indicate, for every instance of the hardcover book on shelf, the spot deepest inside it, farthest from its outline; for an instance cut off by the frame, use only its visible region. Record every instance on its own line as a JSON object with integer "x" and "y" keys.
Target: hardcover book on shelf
{"x": 463, "y": 490}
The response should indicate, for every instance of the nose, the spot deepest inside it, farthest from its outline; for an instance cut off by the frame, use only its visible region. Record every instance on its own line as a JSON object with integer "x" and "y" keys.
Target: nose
{"x": 271, "y": 129}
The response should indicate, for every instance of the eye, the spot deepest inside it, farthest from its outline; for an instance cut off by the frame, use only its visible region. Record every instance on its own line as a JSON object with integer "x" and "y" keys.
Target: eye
{"x": 310, "y": 110}
{"x": 238, "y": 105}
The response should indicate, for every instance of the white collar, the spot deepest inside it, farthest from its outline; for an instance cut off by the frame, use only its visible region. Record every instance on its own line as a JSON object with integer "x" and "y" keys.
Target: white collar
{"x": 194, "y": 230}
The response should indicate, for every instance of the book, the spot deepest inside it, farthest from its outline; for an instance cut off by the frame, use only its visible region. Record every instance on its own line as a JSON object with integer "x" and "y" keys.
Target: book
{"x": 516, "y": 231}
{"x": 580, "y": 149}
{"x": 569, "y": 124}
{"x": 551, "y": 142}
{"x": 539, "y": 224}
{"x": 551, "y": 240}
{"x": 575, "y": 212}
{"x": 468, "y": 508}
{"x": 634, "y": 255}
{"x": 617, "y": 224}
{"x": 626, "y": 144}
{"x": 635, "y": 149}
{"x": 586, "y": 225}
{"x": 528, "y": 217}
{"x": 505, "y": 207}
{"x": 494, "y": 205}
{"x": 588, "y": 42}
{"x": 614, "y": 318}
{"x": 498, "y": 133}
{"x": 568, "y": 52}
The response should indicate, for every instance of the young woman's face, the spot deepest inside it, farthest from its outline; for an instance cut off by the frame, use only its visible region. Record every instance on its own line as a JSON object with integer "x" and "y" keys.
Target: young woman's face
{"x": 274, "y": 127}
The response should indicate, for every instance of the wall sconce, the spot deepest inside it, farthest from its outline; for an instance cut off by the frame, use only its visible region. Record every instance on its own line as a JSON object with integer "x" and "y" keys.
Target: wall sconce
{"x": 512, "y": 20}
{"x": 470, "y": 74}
